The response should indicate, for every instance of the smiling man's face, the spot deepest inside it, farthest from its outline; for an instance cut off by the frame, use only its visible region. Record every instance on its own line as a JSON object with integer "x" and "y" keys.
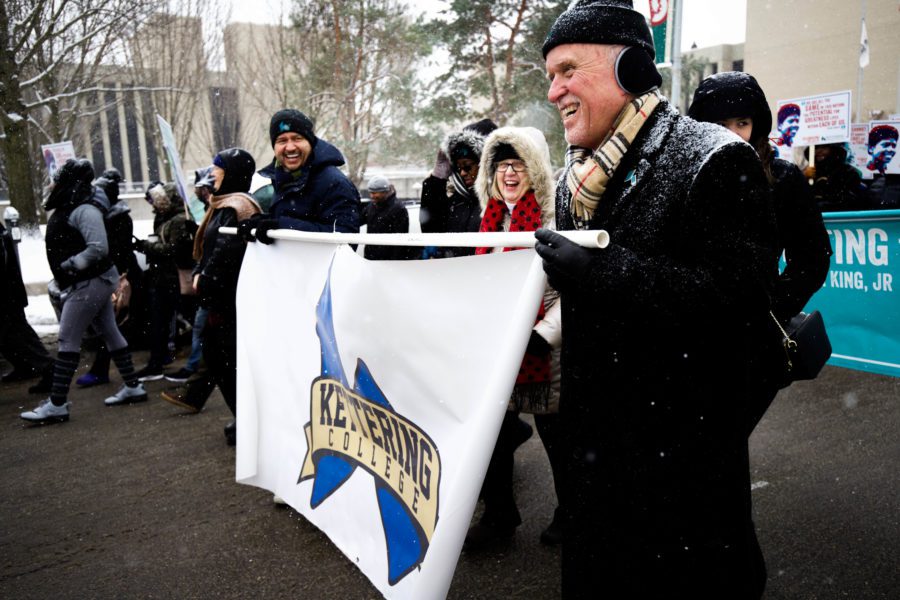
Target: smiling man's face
{"x": 584, "y": 89}
{"x": 292, "y": 150}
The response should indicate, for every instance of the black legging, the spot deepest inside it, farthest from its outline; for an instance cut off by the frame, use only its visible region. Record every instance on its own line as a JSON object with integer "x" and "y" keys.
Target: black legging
{"x": 220, "y": 354}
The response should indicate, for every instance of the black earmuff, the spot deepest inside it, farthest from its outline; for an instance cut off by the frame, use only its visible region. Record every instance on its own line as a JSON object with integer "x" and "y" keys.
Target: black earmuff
{"x": 635, "y": 71}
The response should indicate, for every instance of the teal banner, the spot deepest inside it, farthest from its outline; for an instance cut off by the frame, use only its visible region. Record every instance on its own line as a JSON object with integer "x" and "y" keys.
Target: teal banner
{"x": 659, "y": 42}
{"x": 860, "y": 300}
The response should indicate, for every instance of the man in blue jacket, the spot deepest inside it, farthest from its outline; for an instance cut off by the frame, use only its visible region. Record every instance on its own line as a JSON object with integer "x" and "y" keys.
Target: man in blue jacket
{"x": 310, "y": 193}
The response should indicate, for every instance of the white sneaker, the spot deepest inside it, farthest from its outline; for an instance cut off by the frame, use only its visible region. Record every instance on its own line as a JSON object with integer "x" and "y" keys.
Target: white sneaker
{"x": 127, "y": 395}
{"x": 47, "y": 412}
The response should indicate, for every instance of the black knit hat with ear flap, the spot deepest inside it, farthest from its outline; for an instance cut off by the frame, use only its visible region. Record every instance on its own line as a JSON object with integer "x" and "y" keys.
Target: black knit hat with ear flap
{"x": 609, "y": 22}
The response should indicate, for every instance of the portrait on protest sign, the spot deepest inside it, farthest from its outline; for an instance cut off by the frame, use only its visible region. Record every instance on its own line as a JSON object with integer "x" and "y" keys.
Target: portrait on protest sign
{"x": 882, "y": 147}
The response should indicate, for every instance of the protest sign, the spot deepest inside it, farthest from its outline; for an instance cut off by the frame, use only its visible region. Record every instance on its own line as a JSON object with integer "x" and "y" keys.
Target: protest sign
{"x": 811, "y": 120}
{"x": 55, "y": 155}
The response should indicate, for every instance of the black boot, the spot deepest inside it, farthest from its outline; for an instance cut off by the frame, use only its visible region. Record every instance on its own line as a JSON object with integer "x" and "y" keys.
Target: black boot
{"x": 231, "y": 433}
{"x": 43, "y": 386}
{"x": 493, "y": 527}
{"x": 553, "y": 535}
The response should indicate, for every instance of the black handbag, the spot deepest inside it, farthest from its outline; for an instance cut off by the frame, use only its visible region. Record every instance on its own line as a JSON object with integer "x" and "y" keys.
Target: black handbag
{"x": 806, "y": 346}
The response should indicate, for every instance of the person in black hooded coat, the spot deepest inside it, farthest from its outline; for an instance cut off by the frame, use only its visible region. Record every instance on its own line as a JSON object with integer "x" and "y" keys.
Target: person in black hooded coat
{"x": 449, "y": 202}
{"x": 219, "y": 259}
{"x": 78, "y": 254}
{"x": 735, "y": 100}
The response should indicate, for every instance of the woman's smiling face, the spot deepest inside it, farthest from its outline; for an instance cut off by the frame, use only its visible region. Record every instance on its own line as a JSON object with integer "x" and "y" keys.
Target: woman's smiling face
{"x": 511, "y": 180}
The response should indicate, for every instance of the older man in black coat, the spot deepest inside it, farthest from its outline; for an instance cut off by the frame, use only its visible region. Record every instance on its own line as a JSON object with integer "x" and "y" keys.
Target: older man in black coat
{"x": 657, "y": 327}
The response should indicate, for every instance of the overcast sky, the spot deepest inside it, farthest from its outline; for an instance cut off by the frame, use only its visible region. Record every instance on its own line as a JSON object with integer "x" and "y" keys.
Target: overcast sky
{"x": 704, "y": 22}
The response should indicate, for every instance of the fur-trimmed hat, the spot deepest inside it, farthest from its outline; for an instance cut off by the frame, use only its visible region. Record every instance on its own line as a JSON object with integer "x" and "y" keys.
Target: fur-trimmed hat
{"x": 469, "y": 142}
{"x": 608, "y": 22}
{"x": 530, "y": 146}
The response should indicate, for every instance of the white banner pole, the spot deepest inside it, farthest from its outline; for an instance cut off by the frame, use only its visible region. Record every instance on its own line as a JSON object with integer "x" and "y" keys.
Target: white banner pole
{"x": 596, "y": 238}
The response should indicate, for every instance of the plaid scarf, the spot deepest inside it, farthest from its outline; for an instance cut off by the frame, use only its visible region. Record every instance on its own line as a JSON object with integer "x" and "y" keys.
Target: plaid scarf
{"x": 532, "y": 390}
{"x": 588, "y": 172}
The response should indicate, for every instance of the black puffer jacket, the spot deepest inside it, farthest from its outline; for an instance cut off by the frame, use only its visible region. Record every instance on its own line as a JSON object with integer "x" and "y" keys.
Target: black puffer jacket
{"x": 387, "y": 216}
{"x": 318, "y": 197}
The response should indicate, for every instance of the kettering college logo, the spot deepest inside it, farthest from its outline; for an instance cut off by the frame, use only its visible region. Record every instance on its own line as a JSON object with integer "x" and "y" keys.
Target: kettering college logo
{"x": 357, "y": 427}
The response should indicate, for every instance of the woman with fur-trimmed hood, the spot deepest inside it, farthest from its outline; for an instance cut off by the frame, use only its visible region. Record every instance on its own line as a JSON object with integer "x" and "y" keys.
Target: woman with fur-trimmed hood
{"x": 517, "y": 193}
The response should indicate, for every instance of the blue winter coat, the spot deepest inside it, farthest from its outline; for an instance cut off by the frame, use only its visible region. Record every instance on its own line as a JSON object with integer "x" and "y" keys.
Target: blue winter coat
{"x": 321, "y": 198}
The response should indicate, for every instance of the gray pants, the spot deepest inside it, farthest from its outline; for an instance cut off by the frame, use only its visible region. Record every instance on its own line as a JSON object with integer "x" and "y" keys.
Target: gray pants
{"x": 88, "y": 303}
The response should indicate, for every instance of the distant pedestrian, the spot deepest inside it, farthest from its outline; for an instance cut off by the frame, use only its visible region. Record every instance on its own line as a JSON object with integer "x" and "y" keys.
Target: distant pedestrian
{"x": 78, "y": 253}
{"x": 837, "y": 185}
{"x": 19, "y": 344}
{"x": 385, "y": 214}
{"x": 171, "y": 245}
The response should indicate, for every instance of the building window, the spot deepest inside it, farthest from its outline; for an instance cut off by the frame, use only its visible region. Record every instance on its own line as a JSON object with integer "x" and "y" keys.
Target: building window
{"x": 226, "y": 121}
{"x": 738, "y": 65}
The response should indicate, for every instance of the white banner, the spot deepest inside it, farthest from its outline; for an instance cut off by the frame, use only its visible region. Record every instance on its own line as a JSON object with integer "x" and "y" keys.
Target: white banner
{"x": 370, "y": 394}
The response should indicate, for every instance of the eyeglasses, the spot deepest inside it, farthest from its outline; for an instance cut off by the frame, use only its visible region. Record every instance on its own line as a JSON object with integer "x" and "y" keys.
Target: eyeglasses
{"x": 471, "y": 169}
{"x": 516, "y": 166}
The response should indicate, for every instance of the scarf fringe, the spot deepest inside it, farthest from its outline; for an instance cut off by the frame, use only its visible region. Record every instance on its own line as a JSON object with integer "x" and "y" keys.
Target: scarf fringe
{"x": 531, "y": 398}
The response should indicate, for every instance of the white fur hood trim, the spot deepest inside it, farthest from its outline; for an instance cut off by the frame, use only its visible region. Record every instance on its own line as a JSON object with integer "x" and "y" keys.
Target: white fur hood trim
{"x": 530, "y": 145}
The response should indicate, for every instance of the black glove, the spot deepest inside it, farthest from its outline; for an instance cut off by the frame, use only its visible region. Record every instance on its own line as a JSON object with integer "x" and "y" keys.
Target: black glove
{"x": 565, "y": 262}
{"x": 537, "y": 345}
{"x": 263, "y": 227}
{"x": 140, "y": 246}
{"x": 245, "y": 228}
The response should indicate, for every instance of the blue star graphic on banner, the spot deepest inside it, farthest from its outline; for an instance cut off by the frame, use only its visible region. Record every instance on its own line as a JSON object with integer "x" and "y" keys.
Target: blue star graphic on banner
{"x": 405, "y": 541}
